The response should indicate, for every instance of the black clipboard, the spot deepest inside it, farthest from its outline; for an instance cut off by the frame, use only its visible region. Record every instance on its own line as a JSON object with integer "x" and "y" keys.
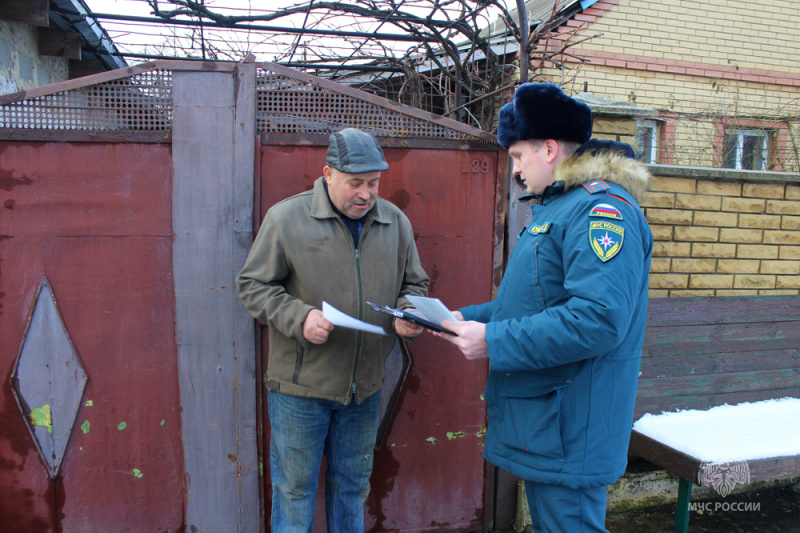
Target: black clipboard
{"x": 405, "y": 315}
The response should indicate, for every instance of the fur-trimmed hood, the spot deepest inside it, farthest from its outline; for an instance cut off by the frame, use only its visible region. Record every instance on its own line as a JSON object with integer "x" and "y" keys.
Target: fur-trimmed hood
{"x": 610, "y": 166}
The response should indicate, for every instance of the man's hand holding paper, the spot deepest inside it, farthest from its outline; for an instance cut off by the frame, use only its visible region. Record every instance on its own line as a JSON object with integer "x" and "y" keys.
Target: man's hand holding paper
{"x": 470, "y": 337}
{"x": 404, "y": 328}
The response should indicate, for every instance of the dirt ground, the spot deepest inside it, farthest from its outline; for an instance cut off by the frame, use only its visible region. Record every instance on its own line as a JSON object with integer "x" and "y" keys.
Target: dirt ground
{"x": 768, "y": 511}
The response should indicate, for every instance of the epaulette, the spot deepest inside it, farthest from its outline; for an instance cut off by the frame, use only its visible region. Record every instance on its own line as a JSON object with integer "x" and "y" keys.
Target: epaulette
{"x": 596, "y": 186}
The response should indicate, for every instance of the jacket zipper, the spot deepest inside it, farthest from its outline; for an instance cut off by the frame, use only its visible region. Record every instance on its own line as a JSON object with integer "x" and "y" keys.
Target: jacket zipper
{"x": 354, "y": 388}
{"x": 358, "y": 333}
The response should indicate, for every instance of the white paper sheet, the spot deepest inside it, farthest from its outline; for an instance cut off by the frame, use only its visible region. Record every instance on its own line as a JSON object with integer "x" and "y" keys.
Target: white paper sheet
{"x": 432, "y": 309}
{"x": 338, "y": 318}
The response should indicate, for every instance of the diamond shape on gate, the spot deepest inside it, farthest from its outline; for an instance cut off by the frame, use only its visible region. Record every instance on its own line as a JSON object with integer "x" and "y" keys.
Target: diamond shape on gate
{"x": 48, "y": 379}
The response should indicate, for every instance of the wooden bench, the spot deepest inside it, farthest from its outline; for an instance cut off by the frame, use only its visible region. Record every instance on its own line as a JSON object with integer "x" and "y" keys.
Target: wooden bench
{"x": 704, "y": 352}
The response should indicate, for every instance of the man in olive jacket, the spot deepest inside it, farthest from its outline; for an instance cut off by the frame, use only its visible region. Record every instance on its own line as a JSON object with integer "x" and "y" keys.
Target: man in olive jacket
{"x": 342, "y": 244}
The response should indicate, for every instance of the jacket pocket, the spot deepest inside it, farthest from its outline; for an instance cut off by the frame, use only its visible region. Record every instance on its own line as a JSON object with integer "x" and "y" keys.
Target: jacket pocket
{"x": 298, "y": 363}
{"x": 536, "y": 290}
{"x": 532, "y": 415}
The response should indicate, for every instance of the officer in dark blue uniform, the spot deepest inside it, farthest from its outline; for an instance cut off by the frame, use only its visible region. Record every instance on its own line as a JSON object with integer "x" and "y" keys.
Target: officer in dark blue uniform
{"x": 564, "y": 335}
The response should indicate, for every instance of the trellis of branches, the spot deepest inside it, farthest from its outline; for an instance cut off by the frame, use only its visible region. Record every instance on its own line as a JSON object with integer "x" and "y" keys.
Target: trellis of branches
{"x": 451, "y": 63}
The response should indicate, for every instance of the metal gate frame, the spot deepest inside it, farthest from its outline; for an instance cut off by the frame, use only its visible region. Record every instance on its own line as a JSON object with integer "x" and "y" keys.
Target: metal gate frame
{"x": 209, "y": 114}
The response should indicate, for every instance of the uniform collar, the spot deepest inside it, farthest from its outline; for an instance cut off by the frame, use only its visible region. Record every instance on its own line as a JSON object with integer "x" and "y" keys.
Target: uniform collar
{"x": 549, "y": 192}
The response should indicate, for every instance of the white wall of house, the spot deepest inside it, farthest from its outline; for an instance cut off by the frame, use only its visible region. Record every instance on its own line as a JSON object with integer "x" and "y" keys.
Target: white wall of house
{"x": 21, "y": 66}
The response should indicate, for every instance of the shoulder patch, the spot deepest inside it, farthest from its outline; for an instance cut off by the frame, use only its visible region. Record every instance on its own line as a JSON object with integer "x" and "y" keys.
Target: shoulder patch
{"x": 596, "y": 186}
{"x": 606, "y": 211}
{"x": 605, "y": 238}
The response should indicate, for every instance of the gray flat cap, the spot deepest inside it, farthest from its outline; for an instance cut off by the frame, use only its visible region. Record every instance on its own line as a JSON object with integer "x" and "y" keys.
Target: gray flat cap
{"x": 355, "y": 152}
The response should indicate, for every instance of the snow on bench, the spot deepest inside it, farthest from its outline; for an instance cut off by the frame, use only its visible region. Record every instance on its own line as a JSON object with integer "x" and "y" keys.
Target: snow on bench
{"x": 728, "y": 433}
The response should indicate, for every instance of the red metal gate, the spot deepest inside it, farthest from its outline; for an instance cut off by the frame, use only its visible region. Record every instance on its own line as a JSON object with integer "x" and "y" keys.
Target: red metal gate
{"x": 429, "y": 470}
{"x": 130, "y": 380}
{"x": 94, "y": 220}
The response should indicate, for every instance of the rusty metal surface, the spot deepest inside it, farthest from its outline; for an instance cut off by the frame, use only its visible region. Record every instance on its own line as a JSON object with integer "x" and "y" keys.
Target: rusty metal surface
{"x": 105, "y": 136}
{"x": 429, "y": 473}
{"x": 95, "y": 219}
{"x": 91, "y": 210}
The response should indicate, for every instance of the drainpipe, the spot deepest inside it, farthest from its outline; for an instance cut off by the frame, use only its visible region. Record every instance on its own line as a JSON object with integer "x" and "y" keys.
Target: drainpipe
{"x": 524, "y": 28}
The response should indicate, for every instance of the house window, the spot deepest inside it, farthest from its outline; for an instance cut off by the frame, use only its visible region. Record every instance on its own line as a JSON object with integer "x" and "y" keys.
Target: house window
{"x": 647, "y": 141}
{"x": 746, "y": 149}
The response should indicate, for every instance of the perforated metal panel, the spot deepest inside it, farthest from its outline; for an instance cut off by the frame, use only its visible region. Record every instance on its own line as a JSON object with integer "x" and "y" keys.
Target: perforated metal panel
{"x": 286, "y": 105}
{"x": 142, "y": 102}
{"x": 287, "y": 102}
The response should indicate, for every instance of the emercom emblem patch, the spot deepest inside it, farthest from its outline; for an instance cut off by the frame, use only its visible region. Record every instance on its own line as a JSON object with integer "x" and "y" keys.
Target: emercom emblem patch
{"x": 605, "y": 238}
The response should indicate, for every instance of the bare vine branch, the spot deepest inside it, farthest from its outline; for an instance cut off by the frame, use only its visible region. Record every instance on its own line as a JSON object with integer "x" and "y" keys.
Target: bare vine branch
{"x": 456, "y": 61}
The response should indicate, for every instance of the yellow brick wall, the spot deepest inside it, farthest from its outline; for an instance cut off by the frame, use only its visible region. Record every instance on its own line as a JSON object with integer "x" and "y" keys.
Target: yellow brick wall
{"x": 704, "y": 31}
{"x": 695, "y": 59}
{"x": 615, "y": 129}
{"x": 718, "y": 234}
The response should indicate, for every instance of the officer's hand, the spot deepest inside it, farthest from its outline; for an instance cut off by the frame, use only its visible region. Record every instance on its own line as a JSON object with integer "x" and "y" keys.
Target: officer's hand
{"x": 471, "y": 338}
{"x": 316, "y": 328}
{"x": 404, "y": 328}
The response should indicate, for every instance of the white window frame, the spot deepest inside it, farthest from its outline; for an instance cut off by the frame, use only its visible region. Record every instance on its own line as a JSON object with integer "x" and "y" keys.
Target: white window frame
{"x": 651, "y": 126}
{"x": 739, "y": 136}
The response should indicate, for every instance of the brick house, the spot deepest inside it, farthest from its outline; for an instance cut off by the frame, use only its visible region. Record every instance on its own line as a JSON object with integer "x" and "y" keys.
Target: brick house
{"x": 723, "y": 77}
{"x": 717, "y": 86}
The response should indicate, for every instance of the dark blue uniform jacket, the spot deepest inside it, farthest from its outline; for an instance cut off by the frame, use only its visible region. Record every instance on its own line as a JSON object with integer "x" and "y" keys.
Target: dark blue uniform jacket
{"x": 565, "y": 331}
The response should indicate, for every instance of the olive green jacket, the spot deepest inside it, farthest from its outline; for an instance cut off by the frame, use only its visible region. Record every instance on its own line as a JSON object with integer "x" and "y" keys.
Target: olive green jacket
{"x": 304, "y": 255}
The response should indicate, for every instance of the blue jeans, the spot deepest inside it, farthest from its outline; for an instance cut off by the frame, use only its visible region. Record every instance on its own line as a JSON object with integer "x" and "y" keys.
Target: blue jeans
{"x": 559, "y": 509}
{"x": 302, "y": 430}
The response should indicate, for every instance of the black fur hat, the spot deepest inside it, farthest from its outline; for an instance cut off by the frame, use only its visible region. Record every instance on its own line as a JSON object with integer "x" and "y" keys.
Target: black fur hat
{"x": 593, "y": 146}
{"x": 543, "y": 111}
